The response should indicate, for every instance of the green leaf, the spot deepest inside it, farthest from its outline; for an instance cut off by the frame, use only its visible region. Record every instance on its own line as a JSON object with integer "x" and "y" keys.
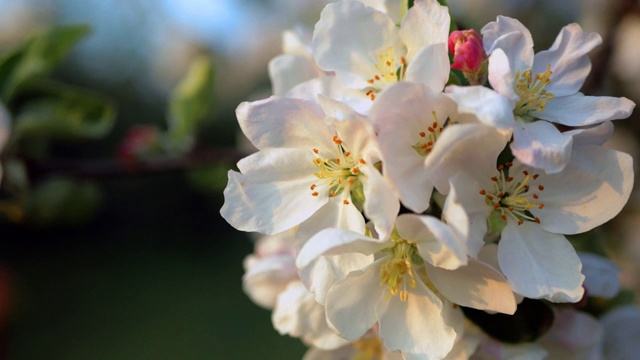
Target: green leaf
{"x": 211, "y": 179}
{"x": 190, "y": 103}
{"x": 63, "y": 112}
{"x": 62, "y": 200}
{"x": 37, "y": 57}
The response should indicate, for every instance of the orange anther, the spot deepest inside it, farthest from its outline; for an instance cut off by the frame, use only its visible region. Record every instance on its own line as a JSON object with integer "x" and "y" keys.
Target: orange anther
{"x": 345, "y": 201}
{"x": 315, "y": 193}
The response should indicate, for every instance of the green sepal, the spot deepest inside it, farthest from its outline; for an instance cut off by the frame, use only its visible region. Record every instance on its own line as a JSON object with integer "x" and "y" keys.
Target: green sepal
{"x": 496, "y": 223}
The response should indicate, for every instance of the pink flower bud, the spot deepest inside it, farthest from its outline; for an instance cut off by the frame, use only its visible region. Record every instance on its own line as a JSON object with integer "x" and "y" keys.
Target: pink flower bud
{"x": 468, "y": 54}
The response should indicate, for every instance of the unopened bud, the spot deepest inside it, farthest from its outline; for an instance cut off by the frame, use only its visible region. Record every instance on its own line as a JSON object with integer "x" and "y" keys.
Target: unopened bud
{"x": 468, "y": 55}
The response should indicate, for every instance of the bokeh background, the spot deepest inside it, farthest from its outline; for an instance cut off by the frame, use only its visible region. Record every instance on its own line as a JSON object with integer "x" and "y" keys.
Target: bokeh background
{"x": 153, "y": 271}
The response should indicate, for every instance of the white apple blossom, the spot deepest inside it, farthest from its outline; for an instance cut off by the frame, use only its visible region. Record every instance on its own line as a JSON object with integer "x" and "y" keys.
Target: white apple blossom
{"x": 530, "y": 211}
{"x": 406, "y": 284}
{"x": 414, "y": 127}
{"x": 271, "y": 281}
{"x": 368, "y": 52}
{"x": 315, "y": 166}
{"x": 545, "y": 86}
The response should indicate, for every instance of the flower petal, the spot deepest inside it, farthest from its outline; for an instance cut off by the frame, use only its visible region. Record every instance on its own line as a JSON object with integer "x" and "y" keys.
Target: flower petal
{"x": 272, "y": 195}
{"x": 484, "y": 104}
{"x": 334, "y": 214}
{"x": 601, "y": 275}
{"x": 601, "y": 181}
{"x": 330, "y": 86}
{"x": 567, "y": 59}
{"x": 541, "y": 145}
{"x": 580, "y": 110}
{"x": 381, "y": 204}
{"x": 416, "y": 325}
{"x": 330, "y": 255}
{"x": 283, "y": 122}
{"x": 348, "y": 39}
{"x": 267, "y": 278}
{"x": 437, "y": 243}
{"x": 426, "y": 23}
{"x": 574, "y": 335}
{"x": 539, "y": 264}
{"x": 351, "y": 303}
{"x": 501, "y": 76}
{"x": 286, "y": 71}
{"x": 514, "y": 38}
{"x": 476, "y": 285}
{"x": 430, "y": 66}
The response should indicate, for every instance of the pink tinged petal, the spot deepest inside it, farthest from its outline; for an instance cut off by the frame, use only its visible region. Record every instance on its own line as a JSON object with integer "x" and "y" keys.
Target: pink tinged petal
{"x": 381, "y": 204}
{"x": 600, "y": 184}
{"x": 299, "y": 315}
{"x": 400, "y": 114}
{"x": 287, "y": 71}
{"x": 351, "y": 303}
{"x": 283, "y": 122}
{"x": 473, "y": 148}
{"x": 356, "y": 133}
{"x": 330, "y": 255}
{"x": 267, "y": 278}
{"x": 596, "y": 135}
{"x": 486, "y": 105}
{"x": 426, "y": 23}
{"x": 333, "y": 214}
{"x": 539, "y": 264}
{"x": 437, "y": 243}
{"x": 337, "y": 110}
{"x": 330, "y": 86}
{"x": 417, "y": 325}
{"x": 348, "y": 39}
{"x": 273, "y": 193}
{"x": 574, "y": 335}
{"x": 430, "y": 66}
{"x": 501, "y": 76}
{"x": 601, "y": 276}
{"x": 621, "y": 333}
{"x": 580, "y": 110}
{"x": 476, "y": 285}
{"x": 567, "y": 59}
{"x": 541, "y": 145}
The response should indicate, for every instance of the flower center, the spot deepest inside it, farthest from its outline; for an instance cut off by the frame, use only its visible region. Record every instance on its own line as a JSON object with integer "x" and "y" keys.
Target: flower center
{"x": 398, "y": 271}
{"x": 428, "y": 138}
{"x": 387, "y": 72}
{"x": 368, "y": 348}
{"x": 532, "y": 92}
{"x": 337, "y": 173}
{"x": 513, "y": 198}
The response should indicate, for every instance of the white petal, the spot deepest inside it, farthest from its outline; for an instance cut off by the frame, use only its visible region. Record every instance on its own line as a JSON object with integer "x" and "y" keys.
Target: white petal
{"x": 381, "y": 204}
{"x": 476, "y": 285}
{"x": 501, "y": 76}
{"x": 430, "y": 66}
{"x": 267, "y": 278}
{"x": 568, "y": 60}
{"x": 574, "y": 335}
{"x": 601, "y": 276}
{"x": 401, "y": 112}
{"x": 489, "y": 107}
{"x": 273, "y": 193}
{"x": 330, "y": 255}
{"x": 473, "y": 148}
{"x": 539, "y": 264}
{"x": 426, "y": 23}
{"x": 334, "y": 214}
{"x": 541, "y": 145}
{"x": 330, "y": 86}
{"x": 437, "y": 243}
{"x": 580, "y": 110}
{"x": 596, "y": 135}
{"x": 351, "y": 303}
{"x": 514, "y": 38}
{"x": 283, "y": 122}
{"x": 621, "y": 333}
{"x": 287, "y": 71}
{"x": 348, "y": 39}
{"x": 298, "y": 314}
{"x": 465, "y": 191}
{"x": 600, "y": 184}
{"x": 417, "y": 325}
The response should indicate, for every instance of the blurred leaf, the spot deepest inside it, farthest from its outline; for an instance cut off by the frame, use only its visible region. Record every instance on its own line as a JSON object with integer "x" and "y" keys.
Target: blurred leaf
{"x": 14, "y": 176}
{"x": 61, "y": 200}
{"x": 37, "y": 57}
{"x": 191, "y": 102}
{"x": 64, "y": 112}
{"x": 211, "y": 179}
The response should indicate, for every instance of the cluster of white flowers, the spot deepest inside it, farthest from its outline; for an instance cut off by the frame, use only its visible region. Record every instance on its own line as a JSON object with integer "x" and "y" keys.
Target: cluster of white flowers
{"x": 395, "y": 193}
